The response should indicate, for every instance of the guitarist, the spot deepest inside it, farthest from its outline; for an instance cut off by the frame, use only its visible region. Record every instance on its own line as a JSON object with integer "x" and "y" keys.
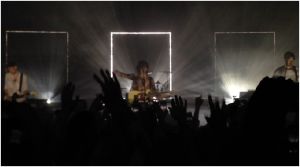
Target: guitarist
{"x": 16, "y": 84}
{"x": 141, "y": 81}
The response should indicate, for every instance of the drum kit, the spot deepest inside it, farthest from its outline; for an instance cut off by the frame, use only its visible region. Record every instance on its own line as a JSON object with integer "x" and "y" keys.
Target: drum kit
{"x": 159, "y": 94}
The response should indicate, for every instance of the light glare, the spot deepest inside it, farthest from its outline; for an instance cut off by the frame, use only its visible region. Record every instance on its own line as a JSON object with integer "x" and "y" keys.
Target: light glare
{"x": 232, "y": 83}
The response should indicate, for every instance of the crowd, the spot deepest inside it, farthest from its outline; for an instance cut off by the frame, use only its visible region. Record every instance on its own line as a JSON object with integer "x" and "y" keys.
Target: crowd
{"x": 258, "y": 132}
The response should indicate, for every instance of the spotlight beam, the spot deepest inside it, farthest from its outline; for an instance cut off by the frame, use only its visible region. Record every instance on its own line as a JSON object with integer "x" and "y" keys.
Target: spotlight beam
{"x": 142, "y": 33}
{"x": 8, "y": 32}
{"x": 242, "y": 32}
{"x": 38, "y": 32}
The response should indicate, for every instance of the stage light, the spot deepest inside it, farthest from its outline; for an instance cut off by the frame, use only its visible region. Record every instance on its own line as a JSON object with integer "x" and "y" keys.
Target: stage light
{"x": 233, "y": 86}
{"x": 48, "y": 101}
{"x": 234, "y": 90}
{"x": 229, "y": 100}
{"x": 142, "y": 33}
{"x": 47, "y": 82}
{"x": 239, "y": 68}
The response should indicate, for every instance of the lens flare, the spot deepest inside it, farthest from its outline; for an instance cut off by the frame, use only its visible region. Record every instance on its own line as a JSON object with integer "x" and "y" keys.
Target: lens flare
{"x": 49, "y": 101}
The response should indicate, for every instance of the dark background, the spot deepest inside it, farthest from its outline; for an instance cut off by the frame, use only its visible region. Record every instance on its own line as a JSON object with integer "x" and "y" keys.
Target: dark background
{"x": 192, "y": 25}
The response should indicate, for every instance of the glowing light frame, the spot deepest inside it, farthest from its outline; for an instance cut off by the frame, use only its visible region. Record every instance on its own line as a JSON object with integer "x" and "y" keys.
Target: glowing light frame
{"x": 245, "y": 32}
{"x": 37, "y": 32}
{"x": 141, "y": 33}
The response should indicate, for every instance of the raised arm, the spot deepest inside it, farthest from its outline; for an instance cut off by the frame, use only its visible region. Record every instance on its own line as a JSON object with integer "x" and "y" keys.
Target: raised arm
{"x": 124, "y": 75}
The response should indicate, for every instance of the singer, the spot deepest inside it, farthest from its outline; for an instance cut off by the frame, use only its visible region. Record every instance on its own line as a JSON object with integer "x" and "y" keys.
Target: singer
{"x": 141, "y": 81}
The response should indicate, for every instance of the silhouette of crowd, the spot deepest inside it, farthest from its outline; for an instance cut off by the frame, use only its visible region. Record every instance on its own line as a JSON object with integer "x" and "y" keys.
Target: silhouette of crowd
{"x": 262, "y": 131}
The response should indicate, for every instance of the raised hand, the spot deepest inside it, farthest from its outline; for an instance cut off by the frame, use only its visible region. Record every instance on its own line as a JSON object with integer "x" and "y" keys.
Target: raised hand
{"x": 179, "y": 110}
{"x": 160, "y": 114}
{"x": 67, "y": 102}
{"x": 64, "y": 115}
{"x": 217, "y": 118}
{"x": 110, "y": 86}
{"x": 198, "y": 103}
{"x": 113, "y": 100}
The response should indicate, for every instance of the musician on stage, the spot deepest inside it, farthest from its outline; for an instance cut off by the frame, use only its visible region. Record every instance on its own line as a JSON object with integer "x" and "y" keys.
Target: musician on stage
{"x": 141, "y": 81}
{"x": 142, "y": 84}
{"x": 16, "y": 84}
{"x": 288, "y": 70}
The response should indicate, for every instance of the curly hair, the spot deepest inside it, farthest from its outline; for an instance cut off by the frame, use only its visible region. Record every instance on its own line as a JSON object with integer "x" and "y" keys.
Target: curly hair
{"x": 288, "y": 55}
{"x": 141, "y": 64}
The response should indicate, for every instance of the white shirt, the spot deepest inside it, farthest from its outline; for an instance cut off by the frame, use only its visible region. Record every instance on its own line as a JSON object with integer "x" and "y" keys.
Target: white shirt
{"x": 12, "y": 83}
{"x": 290, "y": 74}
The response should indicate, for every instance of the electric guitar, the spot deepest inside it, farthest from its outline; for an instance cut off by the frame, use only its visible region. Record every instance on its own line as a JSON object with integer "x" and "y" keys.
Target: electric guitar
{"x": 148, "y": 94}
{"x": 19, "y": 97}
{"x": 137, "y": 95}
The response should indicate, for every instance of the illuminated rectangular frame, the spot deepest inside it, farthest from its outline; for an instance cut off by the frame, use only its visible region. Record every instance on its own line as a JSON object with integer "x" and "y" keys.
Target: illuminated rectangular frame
{"x": 38, "y": 32}
{"x": 141, "y": 33}
{"x": 246, "y": 32}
